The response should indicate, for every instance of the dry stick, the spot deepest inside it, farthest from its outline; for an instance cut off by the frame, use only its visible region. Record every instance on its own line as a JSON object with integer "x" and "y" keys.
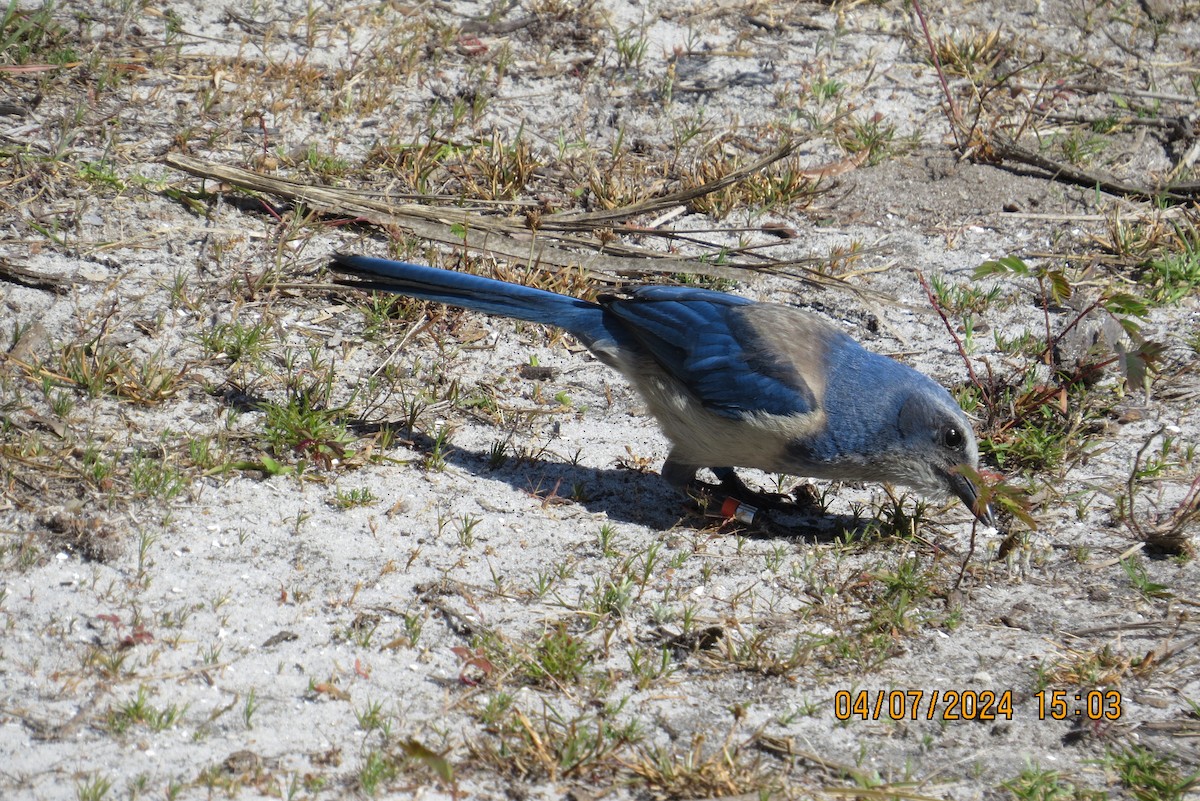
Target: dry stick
{"x": 1005, "y": 148}
{"x": 439, "y": 224}
{"x": 1131, "y": 483}
{"x": 1102, "y": 89}
{"x": 1127, "y": 119}
{"x": 33, "y": 280}
{"x": 510, "y": 238}
{"x": 962, "y": 570}
{"x": 1041, "y": 279}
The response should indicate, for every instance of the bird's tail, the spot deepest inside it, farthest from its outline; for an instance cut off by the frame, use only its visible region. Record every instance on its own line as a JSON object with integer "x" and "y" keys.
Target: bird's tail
{"x": 487, "y": 295}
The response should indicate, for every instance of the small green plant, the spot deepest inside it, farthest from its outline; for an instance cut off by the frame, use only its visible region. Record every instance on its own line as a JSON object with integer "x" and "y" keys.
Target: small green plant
{"x": 98, "y": 467}
{"x": 153, "y": 477}
{"x": 1163, "y": 254}
{"x": 466, "y": 530}
{"x": 559, "y": 658}
{"x": 358, "y": 496}
{"x": 776, "y": 557}
{"x": 496, "y": 709}
{"x": 414, "y": 623}
{"x": 108, "y": 663}
{"x": 200, "y": 452}
{"x": 377, "y": 769}
{"x": 1150, "y": 776}
{"x": 211, "y": 655}
{"x": 542, "y": 583}
{"x": 34, "y": 35}
{"x": 237, "y": 341}
{"x": 1176, "y": 275}
{"x": 872, "y": 135}
{"x": 905, "y": 588}
{"x": 362, "y": 630}
{"x": 610, "y": 598}
{"x": 631, "y": 45}
{"x": 91, "y": 366}
{"x": 436, "y": 458}
{"x": 95, "y": 788}
{"x": 1038, "y": 420}
{"x": 1037, "y": 784}
{"x": 371, "y": 717}
{"x": 1038, "y": 441}
{"x": 1135, "y": 571}
{"x": 963, "y": 298}
{"x": 249, "y": 708}
{"x": 103, "y": 174}
{"x": 824, "y": 89}
{"x": 140, "y": 711}
{"x": 498, "y": 454}
{"x": 146, "y": 540}
{"x": 1079, "y": 146}
{"x": 382, "y": 312}
{"x": 323, "y": 165}
{"x": 607, "y": 540}
{"x": 650, "y": 665}
{"x": 296, "y": 426}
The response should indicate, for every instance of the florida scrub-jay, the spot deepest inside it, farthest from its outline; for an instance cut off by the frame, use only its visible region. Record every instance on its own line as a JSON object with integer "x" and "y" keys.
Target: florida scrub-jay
{"x": 736, "y": 383}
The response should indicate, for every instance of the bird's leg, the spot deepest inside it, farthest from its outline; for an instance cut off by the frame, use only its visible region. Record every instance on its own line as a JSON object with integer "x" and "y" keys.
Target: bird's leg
{"x": 682, "y": 476}
{"x": 678, "y": 475}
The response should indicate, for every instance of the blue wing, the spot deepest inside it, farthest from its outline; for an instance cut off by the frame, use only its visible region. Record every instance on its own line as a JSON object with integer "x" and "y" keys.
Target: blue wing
{"x": 709, "y": 341}
{"x": 706, "y": 341}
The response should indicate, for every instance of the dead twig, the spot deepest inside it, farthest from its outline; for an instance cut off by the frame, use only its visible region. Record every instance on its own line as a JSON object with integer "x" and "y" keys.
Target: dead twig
{"x": 33, "y": 280}
{"x": 511, "y": 238}
{"x": 1006, "y": 149}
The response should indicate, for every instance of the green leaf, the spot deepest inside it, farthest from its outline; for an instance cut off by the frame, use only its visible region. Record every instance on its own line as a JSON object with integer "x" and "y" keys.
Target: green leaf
{"x": 431, "y": 759}
{"x": 1060, "y": 287}
{"x": 1124, "y": 303}
{"x": 274, "y": 468}
{"x": 1008, "y": 264}
{"x": 1138, "y": 364}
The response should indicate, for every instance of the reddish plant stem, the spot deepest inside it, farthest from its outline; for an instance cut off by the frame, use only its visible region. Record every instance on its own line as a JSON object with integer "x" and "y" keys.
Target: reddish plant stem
{"x": 962, "y": 351}
{"x": 955, "y": 119}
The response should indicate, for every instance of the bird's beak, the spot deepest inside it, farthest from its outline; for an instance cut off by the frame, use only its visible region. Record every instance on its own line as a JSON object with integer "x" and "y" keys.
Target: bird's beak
{"x": 968, "y": 493}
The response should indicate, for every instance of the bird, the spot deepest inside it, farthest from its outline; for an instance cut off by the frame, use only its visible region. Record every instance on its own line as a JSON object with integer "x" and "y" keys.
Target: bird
{"x": 737, "y": 383}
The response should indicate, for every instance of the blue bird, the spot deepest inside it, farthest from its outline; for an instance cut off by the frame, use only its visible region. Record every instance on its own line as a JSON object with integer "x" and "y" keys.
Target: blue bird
{"x": 736, "y": 383}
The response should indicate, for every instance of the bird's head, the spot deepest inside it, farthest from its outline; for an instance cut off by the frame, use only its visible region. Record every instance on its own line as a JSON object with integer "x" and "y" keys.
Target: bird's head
{"x": 935, "y": 441}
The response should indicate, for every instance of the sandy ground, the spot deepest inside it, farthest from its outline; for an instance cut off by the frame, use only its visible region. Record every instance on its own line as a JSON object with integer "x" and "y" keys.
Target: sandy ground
{"x": 392, "y": 617}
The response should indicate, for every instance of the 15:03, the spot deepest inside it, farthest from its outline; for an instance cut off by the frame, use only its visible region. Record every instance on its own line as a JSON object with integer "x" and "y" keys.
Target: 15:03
{"x": 1092, "y": 705}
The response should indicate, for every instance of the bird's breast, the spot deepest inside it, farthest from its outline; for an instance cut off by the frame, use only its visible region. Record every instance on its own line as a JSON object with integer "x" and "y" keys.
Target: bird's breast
{"x": 702, "y": 437}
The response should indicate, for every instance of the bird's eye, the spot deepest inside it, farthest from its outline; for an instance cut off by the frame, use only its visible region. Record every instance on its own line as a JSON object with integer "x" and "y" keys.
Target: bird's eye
{"x": 952, "y": 438}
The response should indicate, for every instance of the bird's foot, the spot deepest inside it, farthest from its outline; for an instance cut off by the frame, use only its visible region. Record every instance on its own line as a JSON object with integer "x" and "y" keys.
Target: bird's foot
{"x": 732, "y": 499}
{"x": 801, "y": 497}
